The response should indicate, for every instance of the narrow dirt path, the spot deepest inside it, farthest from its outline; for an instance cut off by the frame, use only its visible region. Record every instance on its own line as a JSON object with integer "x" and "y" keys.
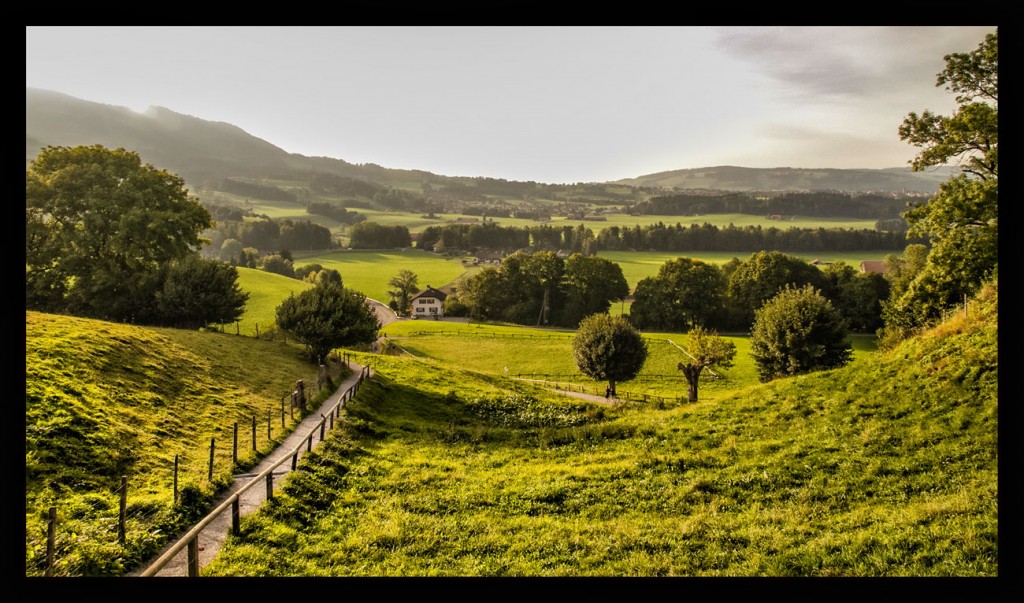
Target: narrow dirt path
{"x": 212, "y": 538}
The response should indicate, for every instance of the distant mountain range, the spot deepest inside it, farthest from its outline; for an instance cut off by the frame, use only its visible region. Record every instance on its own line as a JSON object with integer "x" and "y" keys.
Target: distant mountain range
{"x": 206, "y": 152}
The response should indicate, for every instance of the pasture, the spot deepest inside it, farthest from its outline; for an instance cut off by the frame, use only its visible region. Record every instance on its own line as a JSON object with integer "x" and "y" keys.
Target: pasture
{"x": 546, "y": 355}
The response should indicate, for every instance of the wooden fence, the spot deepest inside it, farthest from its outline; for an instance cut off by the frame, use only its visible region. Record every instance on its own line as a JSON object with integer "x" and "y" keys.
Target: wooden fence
{"x": 191, "y": 539}
{"x": 298, "y": 400}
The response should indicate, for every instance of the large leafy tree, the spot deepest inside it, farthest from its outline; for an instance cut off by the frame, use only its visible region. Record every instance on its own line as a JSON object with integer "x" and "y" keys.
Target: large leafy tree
{"x": 704, "y": 350}
{"x": 590, "y": 285}
{"x": 961, "y": 220}
{"x": 328, "y": 316}
{"x": 761, "y": 277}
{"x": 798, "y": 331}
{"x": 404, "y": 285}
{"x": 686, "y": 292}
{"x": 546, "y": 268}
{"x": 98, "y": 225}
{"x": 608, "y": 348}
{"x": 198, "y": 292}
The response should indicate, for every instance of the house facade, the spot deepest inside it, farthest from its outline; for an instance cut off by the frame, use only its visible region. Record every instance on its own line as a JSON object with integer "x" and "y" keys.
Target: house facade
{"x": 428, "y": 303}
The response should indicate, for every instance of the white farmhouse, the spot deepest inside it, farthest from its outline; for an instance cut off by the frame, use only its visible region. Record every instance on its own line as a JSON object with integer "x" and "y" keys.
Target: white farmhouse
{"x": 428, "y": 303}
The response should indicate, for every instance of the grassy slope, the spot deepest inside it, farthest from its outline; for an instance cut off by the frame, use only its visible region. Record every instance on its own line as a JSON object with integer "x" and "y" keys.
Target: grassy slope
{"x": 886, "y": 467}
{"x": 105, "y": 400}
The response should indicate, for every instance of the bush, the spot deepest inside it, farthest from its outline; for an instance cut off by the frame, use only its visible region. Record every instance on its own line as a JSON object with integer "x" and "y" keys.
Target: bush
{"x": 798, "y": 331}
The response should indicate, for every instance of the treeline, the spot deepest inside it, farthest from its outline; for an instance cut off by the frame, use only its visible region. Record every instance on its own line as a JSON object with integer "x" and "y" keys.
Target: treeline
{"x": 708, "y": 237}
{"x": 658, "y": 237}
{"x": 334, "y": 212}
{"x": 255, "y": 190}
{"x": 817, "y": 204}
{"x": 273, "y": 235}
{"x": 371, "y": 235}
{"x": 688, "y": 292}
{"x": 494, "y": 236}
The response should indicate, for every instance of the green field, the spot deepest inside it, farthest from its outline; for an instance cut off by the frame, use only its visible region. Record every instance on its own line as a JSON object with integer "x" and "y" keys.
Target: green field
{"x": 370, "y": 271}
{"x": 447, "y": 465}
{"x": 546, "y": 354}
{"x": 885, "y": 468}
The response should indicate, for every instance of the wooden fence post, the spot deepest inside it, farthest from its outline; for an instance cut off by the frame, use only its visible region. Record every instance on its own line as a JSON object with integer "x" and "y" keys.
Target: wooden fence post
{"x": 235, "y": 516}
{"x": 282, "y": 410}
{"x": 323, "y": 423}
{"x": 210, "y": 475}
{"x": 270, "y": 485}
{"x": 175, "y": 480}
{"x": 254, "y": 433}
{"x": 193, "y": 557}
{"x": 268, "y": 427}
{"x": 301, "y": 388}
{"x": 51, "y": 539}
{"x": 122, "y": 510}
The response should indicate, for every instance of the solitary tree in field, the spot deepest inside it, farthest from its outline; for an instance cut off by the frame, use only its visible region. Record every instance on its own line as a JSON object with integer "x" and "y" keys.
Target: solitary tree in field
{"x": 608, "y": 348}
{"x": 704, "y": 350}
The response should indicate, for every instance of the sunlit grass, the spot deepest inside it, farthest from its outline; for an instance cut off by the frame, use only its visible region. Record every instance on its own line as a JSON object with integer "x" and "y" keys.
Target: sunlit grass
{"x": 884, "y": 468}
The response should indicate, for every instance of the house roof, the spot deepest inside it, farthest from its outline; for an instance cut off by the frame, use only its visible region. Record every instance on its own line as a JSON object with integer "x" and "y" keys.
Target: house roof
{"x": 873, "y": 266}
{"x": 431, "y": 292}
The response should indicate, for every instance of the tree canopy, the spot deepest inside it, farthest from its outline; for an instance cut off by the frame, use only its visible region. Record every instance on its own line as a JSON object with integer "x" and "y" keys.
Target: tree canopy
{"x": 608, "y": 348}
{"x": 961, "y": 221}
{"x": 328, "y": 316}
{"x": 798, "y": 331}
{"x": 101, "y": 233}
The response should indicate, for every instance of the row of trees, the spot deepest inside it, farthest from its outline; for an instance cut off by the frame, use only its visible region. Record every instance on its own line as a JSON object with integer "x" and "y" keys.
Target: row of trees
{"x": 708, "y": 237}
{"x": 796, "y": 331}
{"x": 687, "y": 292}
{"x": 542, "y": 288}
{"x": 816, "y": 203}
{"x": 657, "y": 237}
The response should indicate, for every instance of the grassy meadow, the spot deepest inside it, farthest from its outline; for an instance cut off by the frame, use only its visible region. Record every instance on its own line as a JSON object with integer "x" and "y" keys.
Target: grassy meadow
{"x": 369, "y": 272}
{"x": 446, "y": 465}
{"x": 887, "y": 467}
{"x": 106, "y": 400}
{"x": 546, "y": 354}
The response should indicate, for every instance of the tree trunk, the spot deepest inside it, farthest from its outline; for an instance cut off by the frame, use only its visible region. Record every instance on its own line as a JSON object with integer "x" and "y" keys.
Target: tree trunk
{"x": 692, "y": 374}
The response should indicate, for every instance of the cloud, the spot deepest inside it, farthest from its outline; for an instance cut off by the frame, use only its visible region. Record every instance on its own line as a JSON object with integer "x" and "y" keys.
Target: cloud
{"x": 837, "y": 63}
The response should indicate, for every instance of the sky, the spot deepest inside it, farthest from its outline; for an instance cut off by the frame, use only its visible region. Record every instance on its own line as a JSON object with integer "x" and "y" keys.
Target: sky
{"x": 551, "y": 104}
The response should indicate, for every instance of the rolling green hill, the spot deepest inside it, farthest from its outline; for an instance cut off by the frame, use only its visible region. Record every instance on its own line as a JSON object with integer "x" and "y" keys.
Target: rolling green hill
{"x": 446, "y": 466}
{"x": 885, "y": 468}
{"x": 106, "y": 400}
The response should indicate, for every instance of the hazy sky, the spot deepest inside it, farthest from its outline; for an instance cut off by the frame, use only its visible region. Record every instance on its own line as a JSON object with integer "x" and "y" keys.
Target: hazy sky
{"x": 551, "y": 104}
